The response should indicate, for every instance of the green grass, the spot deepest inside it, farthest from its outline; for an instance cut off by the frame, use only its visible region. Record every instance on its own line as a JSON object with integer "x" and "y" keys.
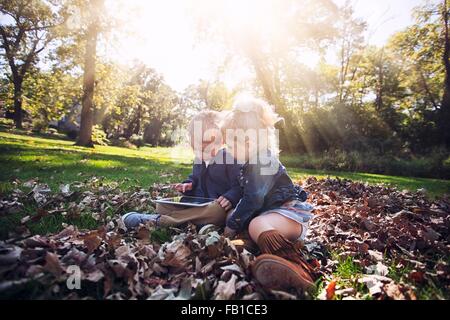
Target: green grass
{"x": 46, "y": 225}
{"x": 161, "y": 235}
{"x": 347, "y": 268}
{"x": 347, "y": 274}
{"x": 55, "y": 161}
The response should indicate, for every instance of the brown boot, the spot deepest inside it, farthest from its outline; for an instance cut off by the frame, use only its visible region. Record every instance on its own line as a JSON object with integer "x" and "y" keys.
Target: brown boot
{"x": 276, "y": 273}
{"x": 273, "y": 242}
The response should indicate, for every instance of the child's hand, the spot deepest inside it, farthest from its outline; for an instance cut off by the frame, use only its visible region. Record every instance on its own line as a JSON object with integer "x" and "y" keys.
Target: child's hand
{"x": 224, "y": 203}
{"x": 183, "y": 187}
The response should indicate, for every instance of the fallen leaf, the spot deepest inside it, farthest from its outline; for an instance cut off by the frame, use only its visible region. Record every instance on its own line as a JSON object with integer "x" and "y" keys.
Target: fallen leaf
{"x": 417, "y": 276}
{"x": 52, "y": 264}
{"x": 9, "y": 255}
{"x": 225, "y": 290}
{"x": 92, "y": 240}
{"x": 392, "y": 291}
{"x": 376, "y": 255}
{"x": 330, "y": 290}
{"x": 378, "y": 269}
{"x": 374, "y": 283}
{"x": 176, "y": 254}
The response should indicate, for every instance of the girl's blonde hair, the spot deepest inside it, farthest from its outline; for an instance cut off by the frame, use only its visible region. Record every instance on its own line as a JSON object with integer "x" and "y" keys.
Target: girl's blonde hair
{"x": 252, "y": 113}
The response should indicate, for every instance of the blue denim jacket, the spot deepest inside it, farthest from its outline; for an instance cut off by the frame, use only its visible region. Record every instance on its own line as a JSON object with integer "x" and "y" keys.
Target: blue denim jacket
{"x": 219, "y": 178}
{"x": 262, "y": 192}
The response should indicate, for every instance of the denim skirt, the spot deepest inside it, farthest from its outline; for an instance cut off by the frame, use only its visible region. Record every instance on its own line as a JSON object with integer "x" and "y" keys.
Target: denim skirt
{"x": 296, "y": 210}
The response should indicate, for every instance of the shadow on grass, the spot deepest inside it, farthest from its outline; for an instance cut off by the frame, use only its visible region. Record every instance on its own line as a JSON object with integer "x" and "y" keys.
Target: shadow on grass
{"x": 54, "y": 166}
{"x": 32, "y": 134}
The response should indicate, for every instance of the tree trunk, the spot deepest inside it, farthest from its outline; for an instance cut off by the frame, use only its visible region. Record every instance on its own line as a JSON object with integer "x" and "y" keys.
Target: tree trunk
{"x": 444, "y": 114}
{"x": 87, "y": 116}
{"x": 380, "y": 85}
{"x": 426, "y": 87}
{"x": 137, "y": 129}
{"x": 18, "y": 112}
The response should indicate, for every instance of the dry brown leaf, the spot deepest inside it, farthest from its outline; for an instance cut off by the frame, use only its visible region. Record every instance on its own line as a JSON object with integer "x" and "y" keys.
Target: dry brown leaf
{"x": 225, "y": 290}
{"x": 330, "y": 290}
{"x": 52, "y": 264}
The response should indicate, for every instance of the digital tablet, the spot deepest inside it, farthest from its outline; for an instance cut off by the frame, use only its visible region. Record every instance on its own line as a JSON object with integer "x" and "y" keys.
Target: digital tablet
{"x": 186, "y": 201}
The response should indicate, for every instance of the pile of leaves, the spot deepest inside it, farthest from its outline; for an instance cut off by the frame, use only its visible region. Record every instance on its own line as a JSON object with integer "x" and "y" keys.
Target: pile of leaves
{"x": 397, "y": 242}
{"x": 111, "y": 261}
{"x": 365, "y": 242}
{"x": 117, "y": 265}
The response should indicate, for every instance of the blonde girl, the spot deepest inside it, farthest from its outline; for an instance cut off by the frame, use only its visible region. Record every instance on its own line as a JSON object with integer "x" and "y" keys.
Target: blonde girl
{"x": 272, "y": 208}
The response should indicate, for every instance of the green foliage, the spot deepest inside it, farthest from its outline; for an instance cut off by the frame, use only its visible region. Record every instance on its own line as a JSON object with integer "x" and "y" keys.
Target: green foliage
{"x": 122, "y": 142}
{"x": 208, "y": 95}
{"x": 434, "y": 165}
{"x": 40, "y": 126}
{"x": 376, "y": 99}
{"x": 145, "y": 107}
{"x": 26, "y": 29}
{"x": 48, "y": 94}
{"x": 346, "y": 268}
{"x": 6, "y": 122}
{"x": 447, "y": 164}
{"x": 99, "y": 136}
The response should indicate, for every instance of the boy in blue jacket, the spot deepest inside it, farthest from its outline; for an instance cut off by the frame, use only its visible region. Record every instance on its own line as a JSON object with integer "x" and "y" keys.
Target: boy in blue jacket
{"x": 214, "y": 175}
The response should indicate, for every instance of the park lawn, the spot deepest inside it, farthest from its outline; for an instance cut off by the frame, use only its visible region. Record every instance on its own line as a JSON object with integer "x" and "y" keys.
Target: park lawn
{"x": 56, "y": 161}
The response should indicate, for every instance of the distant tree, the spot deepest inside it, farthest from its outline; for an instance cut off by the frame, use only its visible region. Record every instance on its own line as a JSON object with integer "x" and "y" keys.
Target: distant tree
{"x": 90, "y": 27}
{"x": 420, "y": 51}
{"x": 145, "y": 108}
{"x": 25, "y": 32}
{"x": 49, "y": 94}
{"x": 212, "y": 95}
{"x": 350, "y": 41}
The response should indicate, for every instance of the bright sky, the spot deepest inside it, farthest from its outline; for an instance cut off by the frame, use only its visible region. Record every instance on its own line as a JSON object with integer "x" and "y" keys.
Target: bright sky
{"x": 165, "y": 37}
{"x": 384, "y": 17}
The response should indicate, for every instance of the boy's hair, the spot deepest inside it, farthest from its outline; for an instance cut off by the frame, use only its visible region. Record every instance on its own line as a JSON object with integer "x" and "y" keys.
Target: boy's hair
{"x": 208, "y": 119}
{"x": 254, "y": 114}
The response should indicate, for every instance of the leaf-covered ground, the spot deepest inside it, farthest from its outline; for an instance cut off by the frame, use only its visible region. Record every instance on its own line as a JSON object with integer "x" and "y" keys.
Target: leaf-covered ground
{"x": 366, "y": 242}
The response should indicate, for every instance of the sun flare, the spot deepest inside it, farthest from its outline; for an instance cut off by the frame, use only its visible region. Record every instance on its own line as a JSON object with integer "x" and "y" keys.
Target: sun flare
{"x": 162, "y": 34}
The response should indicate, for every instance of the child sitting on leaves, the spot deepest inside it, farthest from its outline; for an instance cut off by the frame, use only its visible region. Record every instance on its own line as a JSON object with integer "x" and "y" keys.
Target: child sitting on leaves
{"x": 272, "y": 208}
{"x": 214, "y": 175}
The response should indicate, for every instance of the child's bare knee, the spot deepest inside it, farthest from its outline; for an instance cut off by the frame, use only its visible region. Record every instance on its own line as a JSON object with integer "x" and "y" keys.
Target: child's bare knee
{"x": 256, "y": 227}
{"x": 254, "y": 223}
